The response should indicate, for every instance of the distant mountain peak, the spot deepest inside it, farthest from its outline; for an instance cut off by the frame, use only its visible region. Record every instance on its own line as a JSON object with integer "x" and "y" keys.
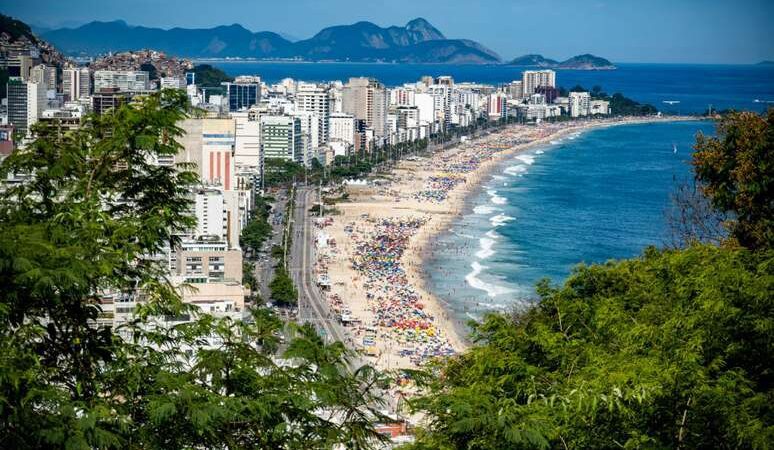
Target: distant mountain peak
{"x": 425, "y": 29}
{"x": 418, "y": 41}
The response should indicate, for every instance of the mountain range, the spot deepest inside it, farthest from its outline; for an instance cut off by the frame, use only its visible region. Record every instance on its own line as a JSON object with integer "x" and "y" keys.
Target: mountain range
{"x": 584, "y": 62}
{"x": 416, "y": 42}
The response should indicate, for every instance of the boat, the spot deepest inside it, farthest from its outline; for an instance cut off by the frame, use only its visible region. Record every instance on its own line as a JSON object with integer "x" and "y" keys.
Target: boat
{"x": 674, "y": 147}
{"x": 671, "y": 102}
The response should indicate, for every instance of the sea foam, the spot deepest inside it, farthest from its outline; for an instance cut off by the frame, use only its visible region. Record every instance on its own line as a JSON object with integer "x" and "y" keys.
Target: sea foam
{"x": 526, "y": 159}
{"x": 473, "y": 281}
{"x": 517, "y": 170}
{"x": 484, "y": 209}
{"x": 500, "y": 219}
{"x": 486, "y": 248}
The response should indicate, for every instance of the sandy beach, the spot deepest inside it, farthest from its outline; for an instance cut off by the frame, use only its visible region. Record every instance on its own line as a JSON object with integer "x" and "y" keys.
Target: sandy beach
{"x": 373, "y": 249}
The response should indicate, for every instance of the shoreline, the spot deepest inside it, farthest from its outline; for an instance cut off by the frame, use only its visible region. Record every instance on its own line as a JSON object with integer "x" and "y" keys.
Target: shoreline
{"x": 474, "y": 161}
{"x": 460, "y": 327}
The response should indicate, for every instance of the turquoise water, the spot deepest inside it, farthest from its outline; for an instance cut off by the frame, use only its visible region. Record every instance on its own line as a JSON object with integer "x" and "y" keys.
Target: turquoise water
{"x": 590, "y": 197}
{"x": 695, "y": 86}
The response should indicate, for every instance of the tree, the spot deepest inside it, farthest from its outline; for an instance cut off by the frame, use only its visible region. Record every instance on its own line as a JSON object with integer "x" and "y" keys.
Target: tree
{"x": 282, "y": 290}
{"x": 670, "y": 350}
{"x": 88, "y": 219}
{"x": 736, "y": 172}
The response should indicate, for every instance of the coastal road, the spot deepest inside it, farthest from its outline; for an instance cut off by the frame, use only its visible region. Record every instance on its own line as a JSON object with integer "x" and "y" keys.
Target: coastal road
{"x": 312, "y": 306}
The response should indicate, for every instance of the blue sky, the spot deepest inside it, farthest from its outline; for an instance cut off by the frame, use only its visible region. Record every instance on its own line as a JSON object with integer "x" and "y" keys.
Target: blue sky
{"x": 697, "y": 31}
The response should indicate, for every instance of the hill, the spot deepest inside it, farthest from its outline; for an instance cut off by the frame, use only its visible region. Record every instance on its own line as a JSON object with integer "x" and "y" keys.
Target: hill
{"x": 579, "y": 62}
{"x": 417, "y": 41}
{"x": 534, "y": 61}
{"x": 587, "y": 62}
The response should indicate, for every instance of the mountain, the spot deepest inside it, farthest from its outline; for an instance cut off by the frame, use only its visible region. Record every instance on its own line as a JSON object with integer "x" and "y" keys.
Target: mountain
{"x": 96, "y": 38}
{"x": 418, "y": 41}
{"x": 587, "y": 62}
{"x": 534, "y": 61}
{"x": 17, "y": 33}
{"x": 765, "y": 63}
{"x": 580, "y": 62}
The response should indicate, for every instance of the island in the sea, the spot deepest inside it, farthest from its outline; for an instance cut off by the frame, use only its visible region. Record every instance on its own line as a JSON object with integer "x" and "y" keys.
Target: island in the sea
{"x": 579, "y": 62}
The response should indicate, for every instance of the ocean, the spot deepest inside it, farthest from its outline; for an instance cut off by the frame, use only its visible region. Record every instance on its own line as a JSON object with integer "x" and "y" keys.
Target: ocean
{"x": 587, "y": 198}
{"x": 694, "y": 86}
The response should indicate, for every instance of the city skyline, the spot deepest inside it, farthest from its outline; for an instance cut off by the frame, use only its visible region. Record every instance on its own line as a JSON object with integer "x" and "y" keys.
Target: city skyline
{"x": 660, "y": 31}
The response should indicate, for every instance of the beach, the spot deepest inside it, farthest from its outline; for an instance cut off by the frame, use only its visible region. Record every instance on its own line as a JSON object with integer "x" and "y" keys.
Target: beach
{"x": 373, "y": 250}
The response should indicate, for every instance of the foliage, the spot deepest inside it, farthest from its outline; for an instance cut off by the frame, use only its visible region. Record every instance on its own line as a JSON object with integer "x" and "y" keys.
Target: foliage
{"x": 283, "y": 292}
{"x": 151, "y": 69}
{"x": 16, "y": 28}
{"x": 255, "y": 233}
{"x": 736, "y": 172}
{"x": 670, "y": 350}
{"x": 281, "y": 171}
{"x": 248, "y": 275}
{"x": 209, "y": 76}
{"x": 87, "y": 220}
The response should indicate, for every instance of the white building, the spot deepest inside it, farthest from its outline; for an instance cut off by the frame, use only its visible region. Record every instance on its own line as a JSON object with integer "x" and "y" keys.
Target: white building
{"x": 124, "y": 80}
{"x": 531, "y": 79}
{"x": 314, "y": 99}
{"x": 342, "y": 128}
{"x": 44, "y": 74}
{"x": 37, "y": 101}
{"x": 425, "y": 103}
{"x": 601, "y": 107}
{"x": 579, "y": 104}
{"x": 210, "y": 213}
{"x": 172, "y": 83}
{"x": 76, "y": 83}
{"x": 247, "y": 141}
{"x": 310, "y": 135}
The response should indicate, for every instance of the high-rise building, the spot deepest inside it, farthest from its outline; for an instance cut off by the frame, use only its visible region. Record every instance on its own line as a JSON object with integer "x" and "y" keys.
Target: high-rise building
{"x": 515, "y": 89}
{"x": 17, "y": 103}
{"x": 209, "y": 143}
{"x": 531, "y": 79}
{"x": 314, "y": 98}
{"x": 309, "y": 135}
{"x": 366, "y": 99}
{"x": 76, "y": 83}
{"x": 242, "y": 94}
{"x": 44, "y": 74}
{"x": 124, "y": 80}
{"x": 247, "y": 144}
{"x": 342, "y": 128}
{"x": 281, "y": 138}
{"x": 579, "y": 104}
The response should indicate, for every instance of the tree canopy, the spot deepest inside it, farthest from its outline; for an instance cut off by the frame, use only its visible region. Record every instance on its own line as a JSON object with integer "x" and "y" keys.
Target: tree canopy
{"x": 83, "y": 225}
{"x": 736, "y": 172}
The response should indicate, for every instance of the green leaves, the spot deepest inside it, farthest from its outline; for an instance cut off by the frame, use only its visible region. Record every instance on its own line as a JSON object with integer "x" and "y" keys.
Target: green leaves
{"x": 617, "y": 356}
{"x": 88, "y": 220}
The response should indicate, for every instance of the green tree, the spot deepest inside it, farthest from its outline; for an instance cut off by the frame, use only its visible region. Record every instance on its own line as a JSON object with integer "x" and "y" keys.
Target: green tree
{"x": 736, "y": 172}
{"x": 283, "y": 292}
{"x": 88, "y": 218}
{"x": 670, "y": 350}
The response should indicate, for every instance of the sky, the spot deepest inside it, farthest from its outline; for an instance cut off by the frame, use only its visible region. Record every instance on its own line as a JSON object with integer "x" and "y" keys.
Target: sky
{"x": 667, "y": 31}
